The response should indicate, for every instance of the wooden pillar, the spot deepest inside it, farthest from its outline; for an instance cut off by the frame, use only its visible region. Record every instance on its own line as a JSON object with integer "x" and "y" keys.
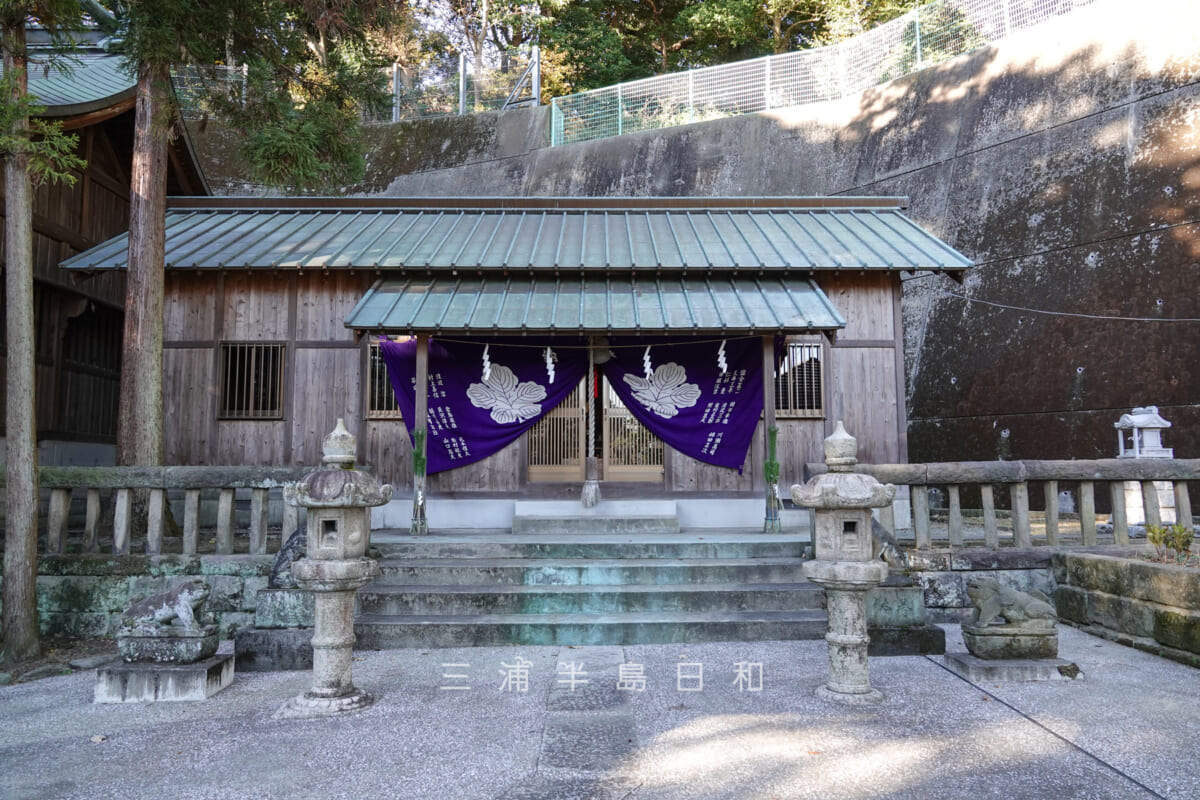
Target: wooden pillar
{"x": 771, "y": 521}
{"x": 420, "y": 525}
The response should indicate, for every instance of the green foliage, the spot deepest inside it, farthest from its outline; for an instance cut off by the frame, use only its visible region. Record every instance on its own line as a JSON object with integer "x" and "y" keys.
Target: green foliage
{"x": 1172, "y": 543}
{"x": 581, "y": 52}
{"x": 939, "y": 32}
{"x": 50, "y": 153}
{"x": 419, "y": 460}
{"x": 771, "y": 466}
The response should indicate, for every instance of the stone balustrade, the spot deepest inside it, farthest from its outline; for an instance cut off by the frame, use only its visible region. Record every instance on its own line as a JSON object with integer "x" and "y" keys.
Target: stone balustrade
{"x": 1015, "y": 477}
{"x": 151, "y": 488}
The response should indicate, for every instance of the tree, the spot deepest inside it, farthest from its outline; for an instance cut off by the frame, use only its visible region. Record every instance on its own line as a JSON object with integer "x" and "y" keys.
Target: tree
{"x": 300, "y": 118}
{"x": 34, "y": 150}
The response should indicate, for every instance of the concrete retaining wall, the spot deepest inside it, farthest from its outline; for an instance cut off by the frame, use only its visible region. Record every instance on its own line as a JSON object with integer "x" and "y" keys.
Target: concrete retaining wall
{"x": 1150, "y": 606}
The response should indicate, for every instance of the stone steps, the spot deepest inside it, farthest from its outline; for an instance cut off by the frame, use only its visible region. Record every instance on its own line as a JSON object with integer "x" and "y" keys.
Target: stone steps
{"x": 495, "y": 588}
{"x": 428, "y": 600}
{"x": 585, "y": 571}
{"x": 604, "y": 587}
{"x": 501, "y": 544}
{"x": 384, "y": 632}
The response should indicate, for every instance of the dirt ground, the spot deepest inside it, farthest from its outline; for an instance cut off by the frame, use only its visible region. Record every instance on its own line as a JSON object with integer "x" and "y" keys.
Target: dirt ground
{"x": 58, "y": 652}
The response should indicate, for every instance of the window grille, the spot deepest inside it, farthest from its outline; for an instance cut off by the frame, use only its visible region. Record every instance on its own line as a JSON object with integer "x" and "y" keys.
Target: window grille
{"x": 799, "y": 380}
{"x": 251, "y": 381}
{"x": 381, "y": 400}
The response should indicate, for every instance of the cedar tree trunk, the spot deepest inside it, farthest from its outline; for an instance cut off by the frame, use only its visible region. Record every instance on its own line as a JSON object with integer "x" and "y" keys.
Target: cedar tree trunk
{"x": 140, "y": 427}
{"x": 21, "y": 636}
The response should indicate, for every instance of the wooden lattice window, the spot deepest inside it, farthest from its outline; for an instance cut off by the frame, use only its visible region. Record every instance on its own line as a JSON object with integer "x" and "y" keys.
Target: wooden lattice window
{"x": 381, "y": 400}
{"x": 252, "y": 380}
{"x": 799, "y": 380}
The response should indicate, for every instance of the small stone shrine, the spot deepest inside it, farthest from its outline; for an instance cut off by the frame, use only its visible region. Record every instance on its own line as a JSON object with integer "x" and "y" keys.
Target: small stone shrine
{"x": 1139, "y": 435}
{"x": 168, "y": 647}
{"x": 845, "y": 564}
{"x": 338, "y": 500}
{"x": 1010, "y": 635}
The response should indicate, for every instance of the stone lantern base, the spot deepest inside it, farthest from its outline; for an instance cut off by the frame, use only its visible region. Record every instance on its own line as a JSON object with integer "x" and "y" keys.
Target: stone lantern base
{"x": 311, "y": 704}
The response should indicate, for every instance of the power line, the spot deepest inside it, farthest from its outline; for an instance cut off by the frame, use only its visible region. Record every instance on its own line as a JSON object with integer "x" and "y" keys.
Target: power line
{"x": 1067, "y": 313}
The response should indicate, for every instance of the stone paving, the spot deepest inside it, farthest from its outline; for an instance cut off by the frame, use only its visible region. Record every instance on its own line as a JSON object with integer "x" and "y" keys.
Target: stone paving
{"x": 1129, "y": 728}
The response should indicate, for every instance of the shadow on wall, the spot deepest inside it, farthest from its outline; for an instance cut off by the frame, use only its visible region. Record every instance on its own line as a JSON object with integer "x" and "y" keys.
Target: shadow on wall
{"x": 1075, "y": 188}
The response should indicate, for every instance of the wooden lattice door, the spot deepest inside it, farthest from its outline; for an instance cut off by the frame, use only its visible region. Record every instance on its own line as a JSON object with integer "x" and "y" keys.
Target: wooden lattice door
{"x": 555, "y": 445}
{"x": 631, "y": 452}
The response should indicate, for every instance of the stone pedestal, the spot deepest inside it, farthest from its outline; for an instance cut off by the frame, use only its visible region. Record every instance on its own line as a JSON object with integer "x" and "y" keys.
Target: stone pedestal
{"x": 1020, "y": 670}
{"x": 998, "y": 642}
{"x": 846, "y": 584}
{"x": 168, "y": 645}
{"x": 142, "y": 683}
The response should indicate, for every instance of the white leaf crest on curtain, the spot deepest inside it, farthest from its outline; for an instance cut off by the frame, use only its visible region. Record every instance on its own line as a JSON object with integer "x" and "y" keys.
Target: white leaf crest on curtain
{"x": 509, "y": 400}
{"x": 666, "y": 391}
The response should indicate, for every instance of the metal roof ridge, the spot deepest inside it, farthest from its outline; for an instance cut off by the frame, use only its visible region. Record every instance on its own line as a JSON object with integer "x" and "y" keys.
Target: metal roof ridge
{"x": 565, "y": 204}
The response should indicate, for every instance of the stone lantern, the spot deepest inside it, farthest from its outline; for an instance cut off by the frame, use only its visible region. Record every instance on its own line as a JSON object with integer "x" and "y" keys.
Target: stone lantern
{"x": 845, "y": 564}
{"x": 1143, "y": 426}
{"x": 338, "y": 500}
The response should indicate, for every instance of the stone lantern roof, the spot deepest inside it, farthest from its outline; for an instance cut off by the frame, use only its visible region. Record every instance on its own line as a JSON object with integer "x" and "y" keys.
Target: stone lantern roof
{"x": 841, "y": 487}
{"x": 337, "y": 484}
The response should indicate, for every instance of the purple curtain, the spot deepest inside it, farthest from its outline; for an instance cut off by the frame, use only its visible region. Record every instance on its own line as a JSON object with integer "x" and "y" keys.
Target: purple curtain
{"x": 470, "y": 416}
{"x": 688, "y": 401}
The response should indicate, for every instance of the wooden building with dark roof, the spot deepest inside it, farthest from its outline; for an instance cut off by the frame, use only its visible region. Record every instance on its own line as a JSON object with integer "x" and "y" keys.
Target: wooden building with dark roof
{"x": 79, "y": 323}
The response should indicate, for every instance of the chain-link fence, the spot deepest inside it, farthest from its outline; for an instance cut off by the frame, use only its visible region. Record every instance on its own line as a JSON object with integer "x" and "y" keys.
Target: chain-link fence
{"x": 920, "y": 38}
{"x": 413, "y": 97}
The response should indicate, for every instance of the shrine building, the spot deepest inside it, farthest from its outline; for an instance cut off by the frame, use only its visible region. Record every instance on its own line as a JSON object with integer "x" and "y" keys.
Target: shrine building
{"x": 652, "y": 335}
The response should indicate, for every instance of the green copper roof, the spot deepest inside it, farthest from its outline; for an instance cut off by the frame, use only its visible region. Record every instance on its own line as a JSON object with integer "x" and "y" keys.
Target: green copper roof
{"x": 542, "y": 235}
{"x": 80, "y": 83}
{"x": 504, "y": 306}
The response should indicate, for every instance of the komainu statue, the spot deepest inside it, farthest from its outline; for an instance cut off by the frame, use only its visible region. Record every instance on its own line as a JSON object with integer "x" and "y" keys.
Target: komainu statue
{"x": 1007, "y": 623}
{"x": 169, "y": 627}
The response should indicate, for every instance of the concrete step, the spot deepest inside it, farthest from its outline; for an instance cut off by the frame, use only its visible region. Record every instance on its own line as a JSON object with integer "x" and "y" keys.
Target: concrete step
{"x": 470, "y": 600}
{"x": 585, "y": 571}
{"x": 389, "y": 632}
{"x": 396, "y": 545}
{"x": 532, "y": 517}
